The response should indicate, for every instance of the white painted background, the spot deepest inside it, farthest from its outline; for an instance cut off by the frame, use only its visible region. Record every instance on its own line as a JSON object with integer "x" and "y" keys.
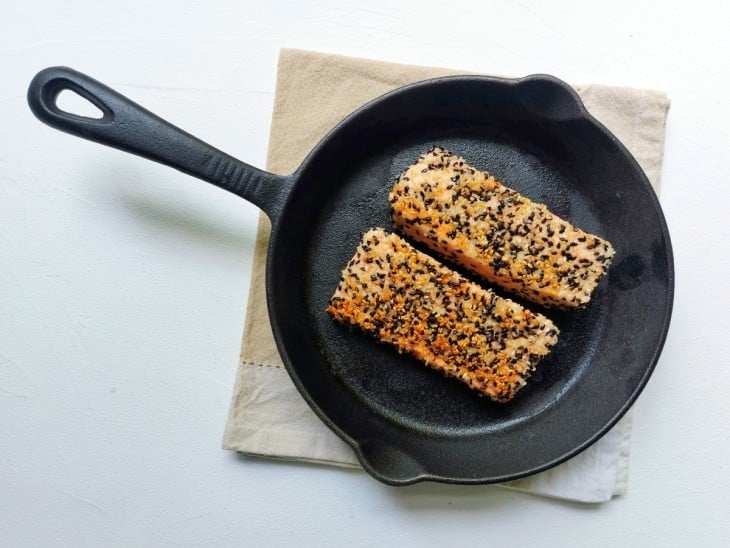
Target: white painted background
{"x": 123, "y": 283}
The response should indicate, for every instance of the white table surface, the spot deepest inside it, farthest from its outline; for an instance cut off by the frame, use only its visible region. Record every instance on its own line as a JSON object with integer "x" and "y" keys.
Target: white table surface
{"x": 123, "y": 283}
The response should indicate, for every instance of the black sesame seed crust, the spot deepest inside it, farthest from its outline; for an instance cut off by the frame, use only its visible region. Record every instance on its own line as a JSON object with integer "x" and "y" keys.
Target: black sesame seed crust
{"x": 413, "y": 302}
{"x": 469, "y": 217}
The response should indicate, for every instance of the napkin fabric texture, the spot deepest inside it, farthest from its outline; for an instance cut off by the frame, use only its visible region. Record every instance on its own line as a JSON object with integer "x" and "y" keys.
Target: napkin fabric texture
{"x": 314, "y": 91}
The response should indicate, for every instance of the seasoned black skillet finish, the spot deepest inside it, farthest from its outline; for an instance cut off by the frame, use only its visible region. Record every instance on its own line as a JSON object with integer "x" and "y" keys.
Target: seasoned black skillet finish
{"x": 405, "y": 422}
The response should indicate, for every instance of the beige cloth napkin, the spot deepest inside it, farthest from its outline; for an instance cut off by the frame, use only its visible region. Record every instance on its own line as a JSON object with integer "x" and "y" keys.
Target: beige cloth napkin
{"x": 314, "y": 91}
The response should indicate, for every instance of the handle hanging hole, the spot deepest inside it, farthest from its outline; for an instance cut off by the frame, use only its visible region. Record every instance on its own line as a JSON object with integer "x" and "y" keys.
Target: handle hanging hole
{"x": 71, "y": 102}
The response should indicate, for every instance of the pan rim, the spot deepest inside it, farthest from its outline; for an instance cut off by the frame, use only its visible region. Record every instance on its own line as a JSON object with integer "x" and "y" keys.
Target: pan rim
{"x": 580, "y": 111}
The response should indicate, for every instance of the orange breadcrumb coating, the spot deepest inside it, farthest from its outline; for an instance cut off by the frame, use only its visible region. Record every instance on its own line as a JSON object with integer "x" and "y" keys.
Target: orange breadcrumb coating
{"x": 495, "y": 232}
{"x": 410, "y": 300}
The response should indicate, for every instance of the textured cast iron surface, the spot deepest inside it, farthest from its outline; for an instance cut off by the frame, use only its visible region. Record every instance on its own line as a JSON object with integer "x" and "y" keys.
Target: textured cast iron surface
{"x": 405, "y": 421}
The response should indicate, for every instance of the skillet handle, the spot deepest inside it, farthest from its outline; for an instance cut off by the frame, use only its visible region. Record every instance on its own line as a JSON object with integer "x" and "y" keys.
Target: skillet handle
{"x": 127, "y": 126}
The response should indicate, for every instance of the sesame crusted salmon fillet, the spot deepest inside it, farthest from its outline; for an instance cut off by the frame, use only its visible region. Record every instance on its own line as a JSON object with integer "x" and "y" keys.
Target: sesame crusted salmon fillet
{"x": 493, "y": 231}
{"x": 413, "y": 302}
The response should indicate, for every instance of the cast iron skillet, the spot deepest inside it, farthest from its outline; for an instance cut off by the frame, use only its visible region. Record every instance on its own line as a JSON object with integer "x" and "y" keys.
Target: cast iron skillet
{"x": 406, "y": 422}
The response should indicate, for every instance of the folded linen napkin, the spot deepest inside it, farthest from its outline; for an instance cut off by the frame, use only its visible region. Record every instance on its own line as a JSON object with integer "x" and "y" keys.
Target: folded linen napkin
{"x": 314, "y": 91}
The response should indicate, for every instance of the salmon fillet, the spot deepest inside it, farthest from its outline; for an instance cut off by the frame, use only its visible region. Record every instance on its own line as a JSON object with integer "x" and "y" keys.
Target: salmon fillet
{"x": 411, "y": 301}
{"x": 493, "y": 231}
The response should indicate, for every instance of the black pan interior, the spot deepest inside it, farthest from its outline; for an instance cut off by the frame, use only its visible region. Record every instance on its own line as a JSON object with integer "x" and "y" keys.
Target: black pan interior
{"x": 406, "y": 421}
